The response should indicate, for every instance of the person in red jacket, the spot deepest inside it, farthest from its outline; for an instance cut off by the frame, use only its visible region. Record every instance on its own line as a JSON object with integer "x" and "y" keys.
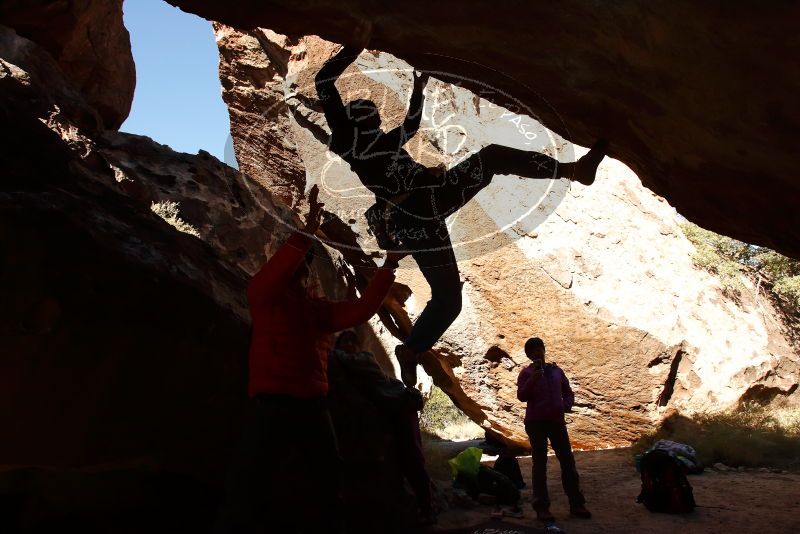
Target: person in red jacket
{"x": 286, "y": 475}
{"x": 545, "y": 388}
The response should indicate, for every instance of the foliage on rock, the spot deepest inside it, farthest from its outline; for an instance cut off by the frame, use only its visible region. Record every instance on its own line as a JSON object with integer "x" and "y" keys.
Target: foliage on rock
{"x": 443, "y": 419}
{"x": 170, "y": 212}
{"x": 731, "y": 259}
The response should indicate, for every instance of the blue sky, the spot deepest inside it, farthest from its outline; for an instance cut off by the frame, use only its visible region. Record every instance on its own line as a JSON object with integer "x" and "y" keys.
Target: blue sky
{"x": 178, "y": 98}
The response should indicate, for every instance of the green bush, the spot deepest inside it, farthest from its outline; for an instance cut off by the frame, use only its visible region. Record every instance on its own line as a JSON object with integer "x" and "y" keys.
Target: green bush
{"x": 751, "y": 436}
{"x": 441, "y": 418}
{"x": 789, "y": 288}
{"x": 718, "y": 255}
{"x": 731, "y": 259}
{"x": 777, "y": 266}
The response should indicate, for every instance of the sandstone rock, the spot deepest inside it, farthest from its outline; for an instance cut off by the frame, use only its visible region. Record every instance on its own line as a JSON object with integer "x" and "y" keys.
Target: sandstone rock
{"x": 113, "y": 348}
{"x": 263, "y": 145}
{"x": 88, "y": 40}
{"x": 120, "y": 334}
{"x": 707, "y": 118}
{"x": 106, "y": 307}
{"x": 32, "y": 77}
{"x": 121, "y": 337}
{"x": 124, "y": 337}
{"x": 604, "y": 273}
{"x": 633, "y": 337}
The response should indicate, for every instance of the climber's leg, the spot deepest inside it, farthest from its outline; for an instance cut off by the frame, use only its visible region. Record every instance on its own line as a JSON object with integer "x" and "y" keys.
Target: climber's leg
{"x": 465, "y": 180}
{"x": 431, "y": 248}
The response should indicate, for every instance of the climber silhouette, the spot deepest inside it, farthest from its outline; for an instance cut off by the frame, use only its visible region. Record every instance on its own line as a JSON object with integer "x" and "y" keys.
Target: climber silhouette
{"x": 413, "y": 201}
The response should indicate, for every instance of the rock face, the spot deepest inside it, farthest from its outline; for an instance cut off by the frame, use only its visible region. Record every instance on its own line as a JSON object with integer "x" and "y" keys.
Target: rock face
{"x": 124, "y": 340}
{"x": 604, "y": 274}
{"x": 90, "y": 44}
{"x": 263, "y": 146}
{"x": 124, "y": 328}
{"x": 699, "y": 102}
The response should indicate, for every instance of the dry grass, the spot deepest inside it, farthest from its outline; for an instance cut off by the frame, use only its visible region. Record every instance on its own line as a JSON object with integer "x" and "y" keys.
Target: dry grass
{"x": 752, "y": 436}
{"x": 170, "y": 212}
{"x": 443, "y": 425}
{"x": 441, "y": 418}
{"x": 461, "y": 432}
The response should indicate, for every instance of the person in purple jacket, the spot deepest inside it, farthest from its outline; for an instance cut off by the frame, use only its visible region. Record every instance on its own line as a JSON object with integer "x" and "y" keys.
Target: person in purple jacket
{"x": 545, "y": 388}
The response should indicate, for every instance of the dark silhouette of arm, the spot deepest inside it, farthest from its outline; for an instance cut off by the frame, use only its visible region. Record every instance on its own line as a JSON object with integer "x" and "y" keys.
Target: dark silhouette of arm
{"x": 335, "y": 113}
{"x": 410, "y": 125}
{"x": 567, "y": 393}
{"x": 351, "y": 313}
{"x": 526, "y": 383}
{"x": 277, "y": 272}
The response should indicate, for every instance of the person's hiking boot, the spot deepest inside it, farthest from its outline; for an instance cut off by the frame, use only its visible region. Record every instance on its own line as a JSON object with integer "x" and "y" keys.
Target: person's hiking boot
{"x": 408, "y": 365}
{"x": 545, "y": 515}
{"x": 585, "y": 168}
{"x": 580, "y": 511}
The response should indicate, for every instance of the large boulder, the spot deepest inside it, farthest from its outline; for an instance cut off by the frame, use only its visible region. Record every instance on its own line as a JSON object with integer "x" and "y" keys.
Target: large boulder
{"x": 698, "y": 101}
{"x": 123, "y": 337}
{"x": 604, "y": 274}
{"x": 123, "y": 349}
{"x": 124, "y": 324}
{"x": 123, "y": 341}
{"x": 263, "y": 146}
{"x": 88, "y": 40}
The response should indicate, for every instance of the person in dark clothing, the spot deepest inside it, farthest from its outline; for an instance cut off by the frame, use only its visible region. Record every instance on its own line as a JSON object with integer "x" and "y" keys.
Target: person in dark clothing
{"x": 289, "y": 447}
{"x": 399, "y": 404}
{"x": 545, "y": 388}
{"x": 413, "y": 201}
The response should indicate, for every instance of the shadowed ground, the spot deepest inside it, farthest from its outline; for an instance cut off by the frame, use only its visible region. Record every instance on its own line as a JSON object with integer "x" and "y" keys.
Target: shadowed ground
{"x": 733, "y": 501}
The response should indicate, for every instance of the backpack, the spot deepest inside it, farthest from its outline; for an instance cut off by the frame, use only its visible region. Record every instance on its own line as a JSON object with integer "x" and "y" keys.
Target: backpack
{"x": 664, "y": 485}
{"x": 509, "y": 466}
{"x": 685, "y": 453}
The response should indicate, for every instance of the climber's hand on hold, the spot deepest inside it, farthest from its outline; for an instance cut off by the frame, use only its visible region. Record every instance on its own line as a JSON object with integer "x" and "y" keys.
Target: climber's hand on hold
{"x": 420, "y": 79}
{"x": 314, "y": 211}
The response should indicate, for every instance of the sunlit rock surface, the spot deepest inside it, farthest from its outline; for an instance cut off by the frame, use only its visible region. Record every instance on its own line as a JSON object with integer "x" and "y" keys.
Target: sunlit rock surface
{"x": 604, "y": 274}
{"x": 699, "y": 101}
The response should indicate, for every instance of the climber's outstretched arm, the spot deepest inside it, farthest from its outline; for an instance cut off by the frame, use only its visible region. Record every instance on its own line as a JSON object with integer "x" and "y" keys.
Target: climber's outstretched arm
{"x": 329, "y": 97}
{"x": 275, "y": 274}
{"x": 410, "y": 125}
{"x": 348, "y": 314}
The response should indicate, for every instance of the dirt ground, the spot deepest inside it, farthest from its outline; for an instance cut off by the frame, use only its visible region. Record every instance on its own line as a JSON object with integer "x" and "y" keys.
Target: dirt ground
{"x": 728, "y": 502}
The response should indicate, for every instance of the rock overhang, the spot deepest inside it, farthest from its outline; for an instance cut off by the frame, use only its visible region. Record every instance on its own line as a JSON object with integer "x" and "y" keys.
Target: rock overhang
{"x": 698, "y": 101}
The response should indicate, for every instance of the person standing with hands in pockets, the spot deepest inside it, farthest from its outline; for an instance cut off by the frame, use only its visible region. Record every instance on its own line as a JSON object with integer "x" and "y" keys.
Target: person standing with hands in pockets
{"x": 546, "y": 389}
